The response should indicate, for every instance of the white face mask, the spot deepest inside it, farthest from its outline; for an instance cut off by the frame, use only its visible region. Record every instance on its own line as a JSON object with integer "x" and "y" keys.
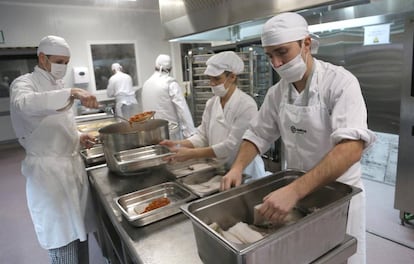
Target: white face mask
{"x": 219, "y": 90}
{"x": 292, "y": 71}
{"x": 58, "y": 71}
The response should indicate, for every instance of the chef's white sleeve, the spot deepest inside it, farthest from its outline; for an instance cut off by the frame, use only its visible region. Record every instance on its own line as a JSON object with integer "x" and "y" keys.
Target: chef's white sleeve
{"x": 33, "y": 103}
{"x": 200, "y": 139}
{"x": 183, "y": 112}
{"x": 111, "y": 88}
{"x": 232, "y": 142}
{"x": 349, "y": 114}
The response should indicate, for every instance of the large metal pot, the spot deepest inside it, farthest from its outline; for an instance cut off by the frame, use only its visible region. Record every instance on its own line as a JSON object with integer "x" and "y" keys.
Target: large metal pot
{"x": 124, "y": 136}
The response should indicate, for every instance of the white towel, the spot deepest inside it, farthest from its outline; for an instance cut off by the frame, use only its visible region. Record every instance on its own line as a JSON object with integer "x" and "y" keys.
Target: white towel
{"x": 206, "y": 187}
{"x": 240, "y": 233}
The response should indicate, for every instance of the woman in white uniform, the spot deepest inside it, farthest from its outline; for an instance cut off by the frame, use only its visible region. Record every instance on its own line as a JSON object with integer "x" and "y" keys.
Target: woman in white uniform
{"x": 225, "y": 118}
{"x": 57, "y": 187}
{"x": 318, "y": 110}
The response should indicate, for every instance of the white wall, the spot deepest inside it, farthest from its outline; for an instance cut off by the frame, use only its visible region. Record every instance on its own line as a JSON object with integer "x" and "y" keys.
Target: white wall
{"x": 23, "y": 25}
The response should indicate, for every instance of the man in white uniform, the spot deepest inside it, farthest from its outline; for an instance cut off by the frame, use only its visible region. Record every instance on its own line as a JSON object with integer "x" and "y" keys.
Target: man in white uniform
{"x": 162, "y": 93}
{"x": 120, "y": 87}
{"x": 319, "y": 112}
{"x": 57, "y": 186}
{"x": 225, "y": 118}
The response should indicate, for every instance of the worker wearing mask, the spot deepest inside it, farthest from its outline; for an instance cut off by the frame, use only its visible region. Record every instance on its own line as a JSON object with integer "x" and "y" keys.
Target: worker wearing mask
{"x": 162, "y": 93}
{"x": 318, "y": 110}
{"x": 225, "y": 118}
{"x": 120, "y": 87}
{"x": 57, "y": 186}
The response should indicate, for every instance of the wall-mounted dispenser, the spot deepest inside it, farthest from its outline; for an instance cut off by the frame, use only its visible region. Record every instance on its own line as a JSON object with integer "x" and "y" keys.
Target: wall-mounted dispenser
{"x": 80, "y": 75}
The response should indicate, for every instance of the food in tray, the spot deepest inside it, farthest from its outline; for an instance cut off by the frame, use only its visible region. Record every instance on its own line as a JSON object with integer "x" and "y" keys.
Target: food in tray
{"x": 206, "y": 187}
{"x": 292, "y": 217}
{"x": 141, "y": 116}
{"x": 240, "y": 233}
{"x": 157, "y": 203}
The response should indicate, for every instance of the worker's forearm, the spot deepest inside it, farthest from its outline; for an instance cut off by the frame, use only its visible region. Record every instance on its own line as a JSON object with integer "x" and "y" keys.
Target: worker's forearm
{"x": 184, "y": 143}
{"x": 245, "y": 155}
{"x": 332, "y": 166}
{"x": 206, "y": 152}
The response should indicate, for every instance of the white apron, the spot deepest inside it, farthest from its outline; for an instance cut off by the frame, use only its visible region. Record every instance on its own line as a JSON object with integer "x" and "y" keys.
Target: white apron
{"x": 306, "y": 131}
{"x": 219, "y": 129}
{"x": 57, "y": 186}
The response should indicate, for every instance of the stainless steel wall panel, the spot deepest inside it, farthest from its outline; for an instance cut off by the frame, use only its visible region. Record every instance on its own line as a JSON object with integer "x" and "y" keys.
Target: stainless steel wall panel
{"x": 378, "y": 69}
{"x": 404, "y": 194}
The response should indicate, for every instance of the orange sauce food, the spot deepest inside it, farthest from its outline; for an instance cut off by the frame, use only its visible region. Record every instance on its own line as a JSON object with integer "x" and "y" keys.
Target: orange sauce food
{"x": 157, "y": 203}
{"x": 141, "y": 116}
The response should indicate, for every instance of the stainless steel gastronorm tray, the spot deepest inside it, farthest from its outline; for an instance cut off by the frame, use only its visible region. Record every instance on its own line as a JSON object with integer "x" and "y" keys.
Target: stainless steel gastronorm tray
{"x": 140, "y": 158}
{"x": 133, "y": 203}
{"x": 320, "y": 230}
{"x": 93, "y": 155}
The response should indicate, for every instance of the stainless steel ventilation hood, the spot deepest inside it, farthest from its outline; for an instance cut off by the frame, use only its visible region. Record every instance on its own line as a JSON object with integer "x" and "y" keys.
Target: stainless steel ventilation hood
{"x": 186, "y": 17}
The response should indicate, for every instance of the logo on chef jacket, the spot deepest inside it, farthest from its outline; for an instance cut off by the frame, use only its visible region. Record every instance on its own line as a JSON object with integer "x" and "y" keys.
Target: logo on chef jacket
{"x": 297, "y": 130}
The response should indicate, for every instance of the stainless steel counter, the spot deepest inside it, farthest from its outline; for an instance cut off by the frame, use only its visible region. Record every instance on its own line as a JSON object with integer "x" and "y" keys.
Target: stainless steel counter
{"x": 168, "y": 241}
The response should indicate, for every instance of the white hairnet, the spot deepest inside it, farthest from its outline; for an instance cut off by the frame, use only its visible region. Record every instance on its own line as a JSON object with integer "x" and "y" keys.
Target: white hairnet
{"x": 224, "y": 61}
{"x": 163, "y": 61}
{"x": 116, "y": 66}
{"x": 53, "y": 45}
{"x": 284, "y": 28}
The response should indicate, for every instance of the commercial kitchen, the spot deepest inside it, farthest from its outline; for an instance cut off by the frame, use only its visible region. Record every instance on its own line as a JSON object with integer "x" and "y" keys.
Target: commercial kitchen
{"x": 373, "y": 39}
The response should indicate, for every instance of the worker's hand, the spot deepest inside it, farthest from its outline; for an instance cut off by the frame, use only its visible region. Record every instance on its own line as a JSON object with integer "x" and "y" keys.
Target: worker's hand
{"x": 231, "y": 179}
{"x": 168, "y": 143}
{"x": 277, "y": 204}
{"x": 87, "y": 141}
{"x": 86, "y": 98}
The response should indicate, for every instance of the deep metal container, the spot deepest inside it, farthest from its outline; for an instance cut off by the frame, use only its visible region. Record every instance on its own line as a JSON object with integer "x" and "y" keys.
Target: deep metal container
{"x": 123, "y": 136}
{"x": 320, "y": 230}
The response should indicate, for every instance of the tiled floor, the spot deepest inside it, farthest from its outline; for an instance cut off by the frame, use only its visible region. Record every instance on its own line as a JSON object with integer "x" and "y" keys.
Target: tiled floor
{"x": 387, "y": 241}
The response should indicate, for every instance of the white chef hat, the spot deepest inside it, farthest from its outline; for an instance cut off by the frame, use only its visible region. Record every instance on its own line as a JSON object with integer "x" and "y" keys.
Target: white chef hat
{"x": 163, "y": 61}
{"x": 116, "y": 66}
{"x": 284, "y": 28}
{"x": 53, "y": 45}
{"x": 224, "y": 61}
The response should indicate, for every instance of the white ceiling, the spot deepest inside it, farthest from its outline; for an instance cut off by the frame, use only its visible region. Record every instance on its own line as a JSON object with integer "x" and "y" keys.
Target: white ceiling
{"x": 150, "y": 5}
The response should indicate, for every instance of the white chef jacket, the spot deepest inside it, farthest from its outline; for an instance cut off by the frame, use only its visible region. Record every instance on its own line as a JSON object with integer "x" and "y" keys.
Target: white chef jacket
{"x": 222, "y": 129}
{"x": 120, "y": 87}
{"x": 162, "y": 94}
{"x": 329, "y": 110}
{"x": 57, "y": 187}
